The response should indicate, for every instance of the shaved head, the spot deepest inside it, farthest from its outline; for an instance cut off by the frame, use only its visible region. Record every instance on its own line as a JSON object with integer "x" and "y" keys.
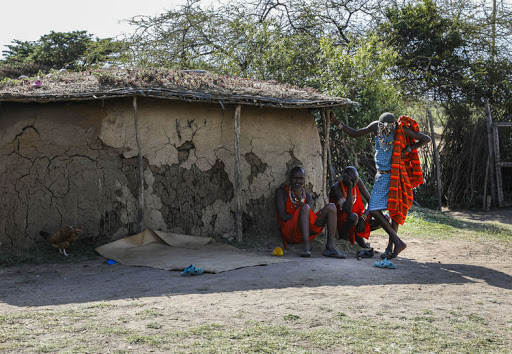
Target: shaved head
{"x": 349, "y": 173}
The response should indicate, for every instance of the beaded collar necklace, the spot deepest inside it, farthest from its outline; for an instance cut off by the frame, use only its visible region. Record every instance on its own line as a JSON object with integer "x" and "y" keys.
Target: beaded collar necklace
{"x": 296, "y": 200}
{"x": 383, "y": 131}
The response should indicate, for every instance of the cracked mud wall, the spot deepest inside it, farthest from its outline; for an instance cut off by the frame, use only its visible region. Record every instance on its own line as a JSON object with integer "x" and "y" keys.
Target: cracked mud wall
{"x": 55, "y": 171}
{"x": 75, "y": 163}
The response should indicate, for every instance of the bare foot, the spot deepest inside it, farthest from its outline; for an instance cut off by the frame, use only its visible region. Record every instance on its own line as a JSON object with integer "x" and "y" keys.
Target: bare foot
{"x": 360, "y": 241}
{"x": 399, "y": 247}
{"x": 388, "y": 252}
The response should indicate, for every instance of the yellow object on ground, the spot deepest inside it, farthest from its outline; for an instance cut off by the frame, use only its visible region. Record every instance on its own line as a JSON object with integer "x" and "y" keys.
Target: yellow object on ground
{"x": 278, "y": 251}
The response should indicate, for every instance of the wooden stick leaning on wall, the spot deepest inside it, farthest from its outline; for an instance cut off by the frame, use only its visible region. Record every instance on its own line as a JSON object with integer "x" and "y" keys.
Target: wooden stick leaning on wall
{"x": 140, "y": 201}
{"x": 436, "y": 160}
{"x": 238, "y": 178}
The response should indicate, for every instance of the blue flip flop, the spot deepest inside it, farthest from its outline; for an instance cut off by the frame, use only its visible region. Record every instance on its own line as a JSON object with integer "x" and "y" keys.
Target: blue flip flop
{"x": 191, "y": 270}
{"x": 385, "y": 264}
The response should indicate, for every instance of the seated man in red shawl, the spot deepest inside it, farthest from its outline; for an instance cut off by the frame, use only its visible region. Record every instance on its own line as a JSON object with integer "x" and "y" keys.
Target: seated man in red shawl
{"x": 298, "y": 222}
{"x": 352, "y": 218}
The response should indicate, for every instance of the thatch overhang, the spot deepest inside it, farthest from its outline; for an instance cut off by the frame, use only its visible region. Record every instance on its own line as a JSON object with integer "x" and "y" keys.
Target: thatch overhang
{"x": 189, "y": 86}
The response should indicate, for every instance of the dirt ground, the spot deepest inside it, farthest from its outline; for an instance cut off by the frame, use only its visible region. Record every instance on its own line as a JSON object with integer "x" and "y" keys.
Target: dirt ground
{"x": 437, "y": 277}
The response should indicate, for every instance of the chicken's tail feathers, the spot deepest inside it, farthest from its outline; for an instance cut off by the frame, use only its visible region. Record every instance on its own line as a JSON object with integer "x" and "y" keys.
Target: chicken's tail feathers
{"x": 44, "y": 234}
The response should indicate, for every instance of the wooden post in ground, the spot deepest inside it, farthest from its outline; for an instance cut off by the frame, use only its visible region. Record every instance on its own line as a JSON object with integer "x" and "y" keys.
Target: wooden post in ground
{"x": 497, "y": 163}
{"x": 332, "y": 173}
{"x": 325, "y": 121}
{"x": 490, "y": 146}
{"x": 485, "y": 204}
{"x": 140, "y": 199}
{"x": 238, "y": 178}
{"x": 436, "y": 161}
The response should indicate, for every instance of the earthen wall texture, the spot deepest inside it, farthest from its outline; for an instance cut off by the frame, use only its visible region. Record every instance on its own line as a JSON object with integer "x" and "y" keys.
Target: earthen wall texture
{"x": 76, "y": 164}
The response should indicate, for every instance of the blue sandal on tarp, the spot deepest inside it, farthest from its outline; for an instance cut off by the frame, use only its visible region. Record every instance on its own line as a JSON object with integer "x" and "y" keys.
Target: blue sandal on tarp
{"x": 385, "y": 264}
{"x": 191, "y": 270}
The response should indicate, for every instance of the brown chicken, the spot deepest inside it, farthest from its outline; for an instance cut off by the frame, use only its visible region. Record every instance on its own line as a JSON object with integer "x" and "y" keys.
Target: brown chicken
{"x": 62, "y": 239}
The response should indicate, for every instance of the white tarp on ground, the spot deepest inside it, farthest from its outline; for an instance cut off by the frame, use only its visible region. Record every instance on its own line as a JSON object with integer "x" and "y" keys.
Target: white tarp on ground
{"x": 170, "y": 251}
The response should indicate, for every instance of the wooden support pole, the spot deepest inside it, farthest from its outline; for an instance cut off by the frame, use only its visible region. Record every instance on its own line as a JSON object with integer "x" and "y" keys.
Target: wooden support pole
{"x": 238, "y": 178}
{"x": 497, "y": 162}
{"x": 485, "y": 204}
{"x": 325, "y": 121}
{"x": 490, "y": 146}
{"x": 436, "y": 161}
{"x": 140, "y": 201}
{"x": 332, "y": 173}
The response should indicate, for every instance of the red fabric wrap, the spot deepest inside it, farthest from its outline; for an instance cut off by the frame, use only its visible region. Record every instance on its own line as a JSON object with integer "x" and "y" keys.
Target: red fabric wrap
{"x": 357, "y": 208}
{"x": 405, "y": 173}
{"x": 290, "y": 231}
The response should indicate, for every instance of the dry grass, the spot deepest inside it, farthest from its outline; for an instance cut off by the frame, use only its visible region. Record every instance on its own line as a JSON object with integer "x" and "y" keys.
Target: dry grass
{"x": 162, "y": 81}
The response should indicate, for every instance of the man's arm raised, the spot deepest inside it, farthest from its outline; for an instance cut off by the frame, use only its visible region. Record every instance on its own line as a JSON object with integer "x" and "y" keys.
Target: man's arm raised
{"x": 422, "y": 139}
{"x": 363, "y": 189}
{"x": 355, "y": 133}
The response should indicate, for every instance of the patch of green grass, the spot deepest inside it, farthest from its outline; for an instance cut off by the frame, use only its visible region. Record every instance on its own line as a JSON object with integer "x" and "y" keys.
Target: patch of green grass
{"x": 154, "y": 325}
{"x": 291, "y": 317}
{"x": 341, "y": 315}
{"x": 429, "y": 331}
{"x": 148, "y": 314}
{"x": 145, "y": 339}
{"x": 424, "y": 222}
{"x": 101, "y": 305}
{"x": 473, "y": 317}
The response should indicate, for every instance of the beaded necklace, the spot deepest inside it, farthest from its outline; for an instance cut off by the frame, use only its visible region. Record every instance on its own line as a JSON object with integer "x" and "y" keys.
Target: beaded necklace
{"x": 383, "y": 131}
{"x": 296, "y": 200}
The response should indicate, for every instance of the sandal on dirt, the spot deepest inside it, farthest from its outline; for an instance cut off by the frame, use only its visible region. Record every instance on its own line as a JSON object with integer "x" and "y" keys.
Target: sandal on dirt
{"x": 366, "y": 253}
{"x": 191, "y": 270}
{"x": 385, "y": 264}
{"x": 306, "y": 254}
{"x": 334, "y": 253}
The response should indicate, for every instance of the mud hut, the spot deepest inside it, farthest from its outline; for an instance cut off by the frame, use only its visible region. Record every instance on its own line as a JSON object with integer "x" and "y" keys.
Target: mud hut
{"x": 210, "y": 150}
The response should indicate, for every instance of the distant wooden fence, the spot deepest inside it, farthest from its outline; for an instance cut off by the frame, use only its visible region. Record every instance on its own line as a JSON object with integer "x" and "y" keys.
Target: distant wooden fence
{"x": 494, "y": 158}
{"x": 498, "y": 163}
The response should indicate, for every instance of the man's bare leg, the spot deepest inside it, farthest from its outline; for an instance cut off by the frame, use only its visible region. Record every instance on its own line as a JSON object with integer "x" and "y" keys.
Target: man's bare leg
{"x": 349, "y": 223}
{"x": 394, "y": 240}
{"x": 361, "y": 242}
{"x": 304, "y": 229}
{"x": 328, "y": 216}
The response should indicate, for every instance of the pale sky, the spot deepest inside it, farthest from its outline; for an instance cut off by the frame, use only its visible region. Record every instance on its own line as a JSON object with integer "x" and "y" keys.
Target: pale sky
{"x": 27, "y": 20}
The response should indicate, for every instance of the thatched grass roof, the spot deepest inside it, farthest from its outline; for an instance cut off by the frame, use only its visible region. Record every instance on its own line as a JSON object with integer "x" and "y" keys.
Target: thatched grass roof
{"x": 191, "y": 86}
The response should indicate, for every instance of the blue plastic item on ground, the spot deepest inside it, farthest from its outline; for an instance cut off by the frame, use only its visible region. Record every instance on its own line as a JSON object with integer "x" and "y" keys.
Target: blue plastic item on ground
{"x": 111, "y": 261}
{"x": 385, "y": 263}
{"x": 191, "y": 270}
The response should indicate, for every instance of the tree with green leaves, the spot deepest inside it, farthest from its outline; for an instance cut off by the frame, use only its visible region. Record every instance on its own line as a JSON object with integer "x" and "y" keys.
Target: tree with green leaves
{"x": 75, "y": 50}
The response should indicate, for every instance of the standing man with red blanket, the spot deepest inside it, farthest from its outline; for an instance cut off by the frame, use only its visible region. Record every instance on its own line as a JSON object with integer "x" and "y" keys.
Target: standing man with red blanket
{"x": 398, "y": 171}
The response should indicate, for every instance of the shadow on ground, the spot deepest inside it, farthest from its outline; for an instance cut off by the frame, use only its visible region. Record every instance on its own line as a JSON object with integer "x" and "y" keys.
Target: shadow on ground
{"x": 93, "y": 280}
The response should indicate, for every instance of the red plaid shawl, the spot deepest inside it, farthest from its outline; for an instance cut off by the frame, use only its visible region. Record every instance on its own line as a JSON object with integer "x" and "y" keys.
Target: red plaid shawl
{"x": 405, "y": 173}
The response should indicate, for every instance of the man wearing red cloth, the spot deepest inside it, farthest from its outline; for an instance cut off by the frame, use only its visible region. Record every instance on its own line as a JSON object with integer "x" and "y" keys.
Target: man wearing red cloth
{"x": 298, "y": 222}
{"x": 398, "y": 171}
{"x": 346, "y": 195}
